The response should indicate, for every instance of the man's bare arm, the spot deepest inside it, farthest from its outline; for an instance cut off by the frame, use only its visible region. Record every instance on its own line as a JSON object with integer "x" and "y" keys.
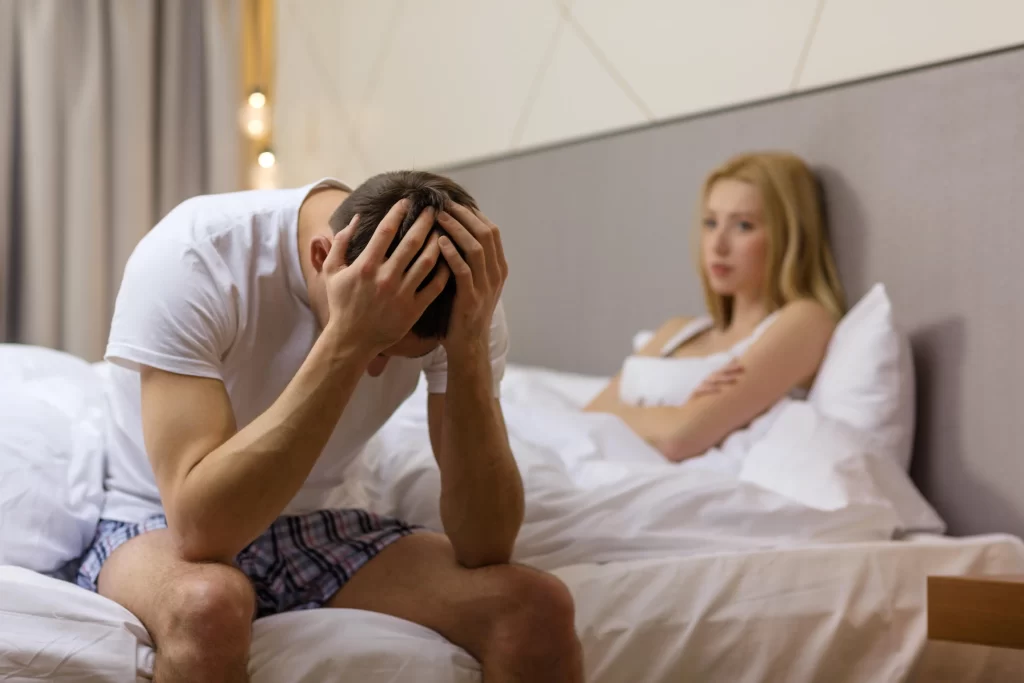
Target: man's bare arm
{"x": 221, "y": 489}
{"x": 482, "y": 502}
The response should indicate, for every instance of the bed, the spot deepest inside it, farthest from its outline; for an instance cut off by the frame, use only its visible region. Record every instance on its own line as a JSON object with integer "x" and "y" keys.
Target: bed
{"x": 803, "y": 610}
{"x": 846, "y": 603}
{"x": 820, "y": 613}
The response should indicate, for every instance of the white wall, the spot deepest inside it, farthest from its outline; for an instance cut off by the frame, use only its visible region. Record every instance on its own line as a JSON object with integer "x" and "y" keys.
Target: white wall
{"x": 370, "y": 85}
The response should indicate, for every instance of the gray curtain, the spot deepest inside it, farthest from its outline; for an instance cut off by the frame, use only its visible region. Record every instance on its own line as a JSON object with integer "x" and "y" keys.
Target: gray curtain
{"x": 111, "y": 113}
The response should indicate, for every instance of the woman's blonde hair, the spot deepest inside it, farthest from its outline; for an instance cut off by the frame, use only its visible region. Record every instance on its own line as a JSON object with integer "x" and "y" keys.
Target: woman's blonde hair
{"x": 800, "y": 263}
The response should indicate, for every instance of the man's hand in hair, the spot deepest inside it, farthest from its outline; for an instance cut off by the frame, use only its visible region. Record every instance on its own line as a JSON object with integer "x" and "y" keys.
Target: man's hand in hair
{"x": 479, "y": 277}
{"x": 374, "y": 301}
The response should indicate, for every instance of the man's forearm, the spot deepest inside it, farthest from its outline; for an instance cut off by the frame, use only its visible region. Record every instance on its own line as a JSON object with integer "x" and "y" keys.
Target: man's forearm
{"x": 481, "y": 488}
{"x": 234, "y": 493}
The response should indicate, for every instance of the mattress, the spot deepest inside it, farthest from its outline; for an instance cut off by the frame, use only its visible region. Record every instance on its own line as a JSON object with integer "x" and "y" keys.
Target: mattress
{"x": 849, "y": 612}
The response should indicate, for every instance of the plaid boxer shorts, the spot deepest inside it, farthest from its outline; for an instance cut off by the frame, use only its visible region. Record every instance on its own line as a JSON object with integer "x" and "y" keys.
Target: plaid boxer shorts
{"x": 300, "y": 562}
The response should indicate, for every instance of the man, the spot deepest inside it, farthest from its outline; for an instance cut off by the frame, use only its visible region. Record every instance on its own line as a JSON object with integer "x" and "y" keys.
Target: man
{"x": 256, "y": 348}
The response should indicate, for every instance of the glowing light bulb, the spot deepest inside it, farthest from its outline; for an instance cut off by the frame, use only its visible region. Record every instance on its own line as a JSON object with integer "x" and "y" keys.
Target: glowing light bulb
{"x": 255, "y": 127}
{"x": 263, "y": 177}
{"x": 254, "y": 116}
{"x": 266, "y": 159}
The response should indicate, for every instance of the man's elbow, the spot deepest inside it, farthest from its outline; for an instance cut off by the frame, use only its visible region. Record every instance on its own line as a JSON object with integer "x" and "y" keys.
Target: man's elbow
{"x": 197, "y": 543}
{"x": 477, "y": 558}
{"x": 494, "y": 547}
{"x": 199, "y": 548}
{"x": 193, "y": 549}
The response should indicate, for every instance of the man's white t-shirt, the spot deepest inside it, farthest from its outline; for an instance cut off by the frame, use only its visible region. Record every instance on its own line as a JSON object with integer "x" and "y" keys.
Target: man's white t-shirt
{"x": 216, "y": 290}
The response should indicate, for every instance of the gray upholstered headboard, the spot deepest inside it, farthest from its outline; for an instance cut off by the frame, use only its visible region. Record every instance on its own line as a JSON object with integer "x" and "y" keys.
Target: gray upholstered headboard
{"x": 924, "y": 176}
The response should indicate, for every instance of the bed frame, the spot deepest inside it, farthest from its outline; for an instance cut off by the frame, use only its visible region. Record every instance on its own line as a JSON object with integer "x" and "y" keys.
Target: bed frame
{"x": 924, "y": 177}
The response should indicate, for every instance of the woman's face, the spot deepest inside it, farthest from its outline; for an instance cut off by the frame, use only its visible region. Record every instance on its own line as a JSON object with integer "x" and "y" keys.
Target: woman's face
{"x": 734, "y": 240}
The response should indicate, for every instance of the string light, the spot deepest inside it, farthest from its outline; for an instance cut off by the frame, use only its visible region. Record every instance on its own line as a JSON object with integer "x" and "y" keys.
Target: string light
{"x": 263, "y": 175}
{"x": 255, "y": 128}
{"x": 257, "y": 99}
{"x": 255, "y": 116}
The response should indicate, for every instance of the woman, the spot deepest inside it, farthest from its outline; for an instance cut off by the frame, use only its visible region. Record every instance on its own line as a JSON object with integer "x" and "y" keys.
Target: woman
{"x": 773, "y": 300}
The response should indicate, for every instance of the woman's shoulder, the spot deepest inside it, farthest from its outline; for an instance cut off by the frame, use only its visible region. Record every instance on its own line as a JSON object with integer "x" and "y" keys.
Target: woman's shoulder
{"x": 804, "y": 322}
{"x": 802, "y": 332}
{"x": 810, "y": 312}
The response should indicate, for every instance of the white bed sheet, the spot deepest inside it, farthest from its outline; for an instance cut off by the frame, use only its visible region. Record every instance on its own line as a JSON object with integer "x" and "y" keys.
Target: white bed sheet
{"x": 849, "y": 612}
{"x": 51, "y": 630}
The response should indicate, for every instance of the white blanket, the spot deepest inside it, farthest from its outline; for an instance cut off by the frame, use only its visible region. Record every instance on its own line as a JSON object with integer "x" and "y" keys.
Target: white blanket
{"x": 597, "y": 493}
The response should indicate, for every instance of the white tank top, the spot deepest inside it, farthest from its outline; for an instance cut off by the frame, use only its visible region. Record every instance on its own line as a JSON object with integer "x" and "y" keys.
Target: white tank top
{"x": 665, "y": 381}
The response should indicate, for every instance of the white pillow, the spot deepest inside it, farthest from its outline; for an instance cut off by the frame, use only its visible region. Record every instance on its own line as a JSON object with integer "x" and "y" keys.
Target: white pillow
{"x": 52, "y": 438}
{"x": 24, "y": 363}
{"x": 867, "y": 378}
{"x": 828, "y": 465}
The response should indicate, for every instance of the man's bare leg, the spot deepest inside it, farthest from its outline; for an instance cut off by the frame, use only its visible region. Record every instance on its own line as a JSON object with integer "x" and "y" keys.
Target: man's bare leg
{"x": 199, "y": 615}
{"x": 516, "y": 621}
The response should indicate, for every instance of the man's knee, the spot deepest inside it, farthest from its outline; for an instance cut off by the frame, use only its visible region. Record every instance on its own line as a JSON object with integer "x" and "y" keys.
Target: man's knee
{"x": 212, "y": 606}
{"x": 536, "y": 620}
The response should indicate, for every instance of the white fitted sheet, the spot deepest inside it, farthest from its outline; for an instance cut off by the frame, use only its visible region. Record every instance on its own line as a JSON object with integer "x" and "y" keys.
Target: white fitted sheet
{"x": 849, "y": 612}
{"x": 51, "y": 630}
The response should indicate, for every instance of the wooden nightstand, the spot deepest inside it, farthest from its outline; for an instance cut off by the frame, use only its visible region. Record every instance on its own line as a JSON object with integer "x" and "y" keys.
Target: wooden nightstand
{"x": 985, "y": 610}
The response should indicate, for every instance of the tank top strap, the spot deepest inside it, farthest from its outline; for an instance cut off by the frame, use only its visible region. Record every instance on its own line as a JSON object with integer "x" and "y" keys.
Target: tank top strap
{"x": 764, "y": 325}
{"x": 688, "y": 332}
{"x": 746, "y": 342}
